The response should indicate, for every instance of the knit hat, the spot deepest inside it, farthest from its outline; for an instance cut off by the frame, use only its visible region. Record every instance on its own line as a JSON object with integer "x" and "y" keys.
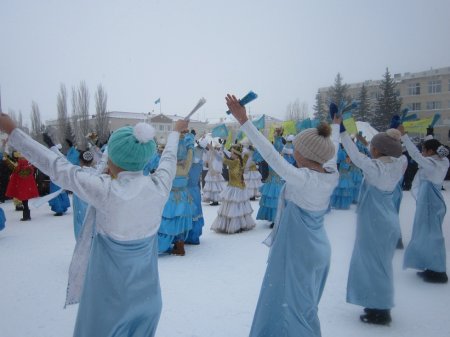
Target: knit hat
{"x": 315, "y": 143}
{"x": 130, "y": 148}
{"x": 388, "y": 143}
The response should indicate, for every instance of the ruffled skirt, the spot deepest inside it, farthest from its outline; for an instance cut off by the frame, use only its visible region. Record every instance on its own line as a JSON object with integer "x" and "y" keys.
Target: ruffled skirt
{"x": 214, "y": 185}
{"x": 253, "y": 183}
{"x": 235, "y": 212}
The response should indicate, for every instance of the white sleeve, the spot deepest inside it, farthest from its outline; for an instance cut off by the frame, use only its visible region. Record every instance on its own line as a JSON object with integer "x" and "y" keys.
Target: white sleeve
{"x": 366, "y": 164}
{"x": 281, "y": 166}
{"x": 91, "y": 188}
{"x": 167, "y": 168}
{"x": 425, "y": 163}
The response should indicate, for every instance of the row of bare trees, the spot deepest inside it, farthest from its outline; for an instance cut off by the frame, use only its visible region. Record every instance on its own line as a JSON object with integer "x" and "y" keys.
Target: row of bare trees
{"x": 75, "y": 127}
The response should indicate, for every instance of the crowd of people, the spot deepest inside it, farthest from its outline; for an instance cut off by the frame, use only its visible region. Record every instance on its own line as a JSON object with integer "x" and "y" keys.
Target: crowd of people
{"x": 134, "y": 200}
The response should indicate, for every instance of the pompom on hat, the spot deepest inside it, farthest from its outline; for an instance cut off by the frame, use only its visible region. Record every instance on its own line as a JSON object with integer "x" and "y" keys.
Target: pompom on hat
{"x": 315, "y": 144}
{"x": 130, "y": 148}
{"x": 388, "y": 143}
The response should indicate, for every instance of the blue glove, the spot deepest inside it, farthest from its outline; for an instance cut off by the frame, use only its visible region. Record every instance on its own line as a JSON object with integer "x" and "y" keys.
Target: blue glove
{"x": 395, "y": 122}
{"x": 333, "y": 110}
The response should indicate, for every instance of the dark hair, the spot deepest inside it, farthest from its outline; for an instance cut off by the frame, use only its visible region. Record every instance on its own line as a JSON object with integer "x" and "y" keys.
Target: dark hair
{"x": 431, "y": 144}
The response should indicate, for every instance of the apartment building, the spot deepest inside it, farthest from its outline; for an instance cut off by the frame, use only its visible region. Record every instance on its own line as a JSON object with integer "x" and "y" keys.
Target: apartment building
{"x": 424, "y": 93}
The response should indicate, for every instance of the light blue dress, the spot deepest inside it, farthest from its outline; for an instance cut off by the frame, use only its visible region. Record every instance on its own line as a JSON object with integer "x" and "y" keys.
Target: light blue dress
{"x": 194, "y": 190}
{"x": 370, "y": 278}
{"x": 61, "y": 202}
{"x": 270, "y": 192}
{"x": 426, "y": 250}
{"x": 295, "y": 277}
{"x": 343, "y": 194}
{"x": 122, "y": 281}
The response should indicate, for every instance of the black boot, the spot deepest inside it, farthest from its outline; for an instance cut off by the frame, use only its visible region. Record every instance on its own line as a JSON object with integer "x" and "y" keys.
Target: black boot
{"x": 272, "y": 224}
{"x": 376, "y": 316}
{"x": 400, "y": 244}
{"x": 431, "y": 276}
{"x": 214, "y": 203}
{"x": 26, "y": 216}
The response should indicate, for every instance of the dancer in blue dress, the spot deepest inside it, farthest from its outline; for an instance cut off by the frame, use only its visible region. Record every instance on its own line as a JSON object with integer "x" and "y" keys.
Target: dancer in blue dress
{"x": 194, "y": 182}
{"x": 370, "y": 279}
{"x": 179, "y": 210}
{"x": 299, "y": 257}
{"x": 426, "y": 250}
{"x": 114, "y": 270}
{"x": 271, "y": 189}
{"x": 343, "y": 194}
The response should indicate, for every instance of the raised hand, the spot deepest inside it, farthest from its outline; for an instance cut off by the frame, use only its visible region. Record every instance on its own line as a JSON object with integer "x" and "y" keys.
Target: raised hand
{"x": 237, "y": 110}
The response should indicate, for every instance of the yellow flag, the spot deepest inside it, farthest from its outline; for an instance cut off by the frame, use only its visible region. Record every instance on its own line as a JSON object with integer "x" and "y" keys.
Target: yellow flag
{"x": 229, "y": 141}
{"x": 289, "y": 128}
{"x": 349, "y": 123}
{"x": 418, "y": 126}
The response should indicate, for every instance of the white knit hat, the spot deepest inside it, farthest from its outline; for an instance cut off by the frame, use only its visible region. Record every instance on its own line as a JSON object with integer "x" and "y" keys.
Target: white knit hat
{"x": 315, "y": 143}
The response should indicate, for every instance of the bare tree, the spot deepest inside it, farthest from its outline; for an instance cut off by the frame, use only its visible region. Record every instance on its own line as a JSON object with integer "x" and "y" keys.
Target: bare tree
{"x": 101, "y": 117}
{"x": 36, "y": 124}
{"x": 80, "y": 114}
{"x": 20, "y": 120}
{"x": 297, "y": 111}
{"x": 64, "y": 129}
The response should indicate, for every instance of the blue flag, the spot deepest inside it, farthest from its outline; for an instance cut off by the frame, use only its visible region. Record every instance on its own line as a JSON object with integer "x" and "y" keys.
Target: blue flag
{"x": 220, "y": 131}
{"x": 158, "y": 101}
{"x": 260, "y": 123}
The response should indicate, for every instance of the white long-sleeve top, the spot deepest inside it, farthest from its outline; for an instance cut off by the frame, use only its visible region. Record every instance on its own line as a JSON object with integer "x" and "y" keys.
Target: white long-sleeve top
{"x": 431, "y": 168}
{"x": 384, "y": 172}
{"x": 308, "y": 189}
{"x": 128, "y": 207}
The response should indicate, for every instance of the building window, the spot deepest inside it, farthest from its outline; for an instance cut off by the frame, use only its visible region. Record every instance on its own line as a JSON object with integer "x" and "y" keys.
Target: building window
{"x": 414, "y": 89}
{"x": 415, "y": 106}
{"x": 161, "y": 127}
{"x": 435, "y": 105}
{"x": 434, "y": 87}
{"x": 449, "y": 85}
{"x": 169, "y": 127}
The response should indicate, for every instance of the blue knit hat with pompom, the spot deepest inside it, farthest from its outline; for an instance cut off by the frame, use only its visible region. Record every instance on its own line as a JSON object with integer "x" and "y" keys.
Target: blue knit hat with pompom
{"x": 130, "y": 148}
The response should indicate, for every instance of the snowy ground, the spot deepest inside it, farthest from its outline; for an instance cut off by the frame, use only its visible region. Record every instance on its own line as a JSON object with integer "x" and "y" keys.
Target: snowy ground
{"x": 210, "y": 292}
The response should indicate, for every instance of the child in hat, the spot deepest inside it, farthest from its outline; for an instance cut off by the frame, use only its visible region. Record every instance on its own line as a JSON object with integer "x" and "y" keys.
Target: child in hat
{"x": 235, "y": 212}
{"x": 426, "y": 250}
{"x": 114, "y": 270}
{"x": 299, "y": 258}
{"x": 370, "y": 279}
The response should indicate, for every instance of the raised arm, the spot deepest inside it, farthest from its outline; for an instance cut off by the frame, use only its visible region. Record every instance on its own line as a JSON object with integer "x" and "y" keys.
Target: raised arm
{"x": 167, "y": 168}
{"x": 366, "y": 164}
{"x": 415, "y": 154}
{"x": 93, "y": 189}
{"x": 265, "y": 148}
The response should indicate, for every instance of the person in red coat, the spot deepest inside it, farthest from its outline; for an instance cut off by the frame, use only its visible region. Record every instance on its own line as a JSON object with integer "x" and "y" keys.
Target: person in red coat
{"x": 22, "y": 185}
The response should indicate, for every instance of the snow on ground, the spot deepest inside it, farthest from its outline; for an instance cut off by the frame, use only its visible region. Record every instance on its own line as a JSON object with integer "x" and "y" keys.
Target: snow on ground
{"x": 210, "y": 292}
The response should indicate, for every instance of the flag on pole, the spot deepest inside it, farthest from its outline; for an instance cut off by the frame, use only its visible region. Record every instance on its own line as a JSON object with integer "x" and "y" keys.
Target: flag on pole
{"x": 158, "y": 101}
{"x": 260, "y": 123}
{"x": 220, "y": 131}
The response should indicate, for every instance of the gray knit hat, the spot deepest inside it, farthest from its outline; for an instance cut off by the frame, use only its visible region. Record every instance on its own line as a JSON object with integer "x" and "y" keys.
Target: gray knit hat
{"x": 315, "y": 144}
{"x": 388, "y": 143}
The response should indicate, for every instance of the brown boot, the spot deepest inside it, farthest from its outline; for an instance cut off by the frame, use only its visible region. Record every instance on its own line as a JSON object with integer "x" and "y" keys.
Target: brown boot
{"x": 178, "y": 248}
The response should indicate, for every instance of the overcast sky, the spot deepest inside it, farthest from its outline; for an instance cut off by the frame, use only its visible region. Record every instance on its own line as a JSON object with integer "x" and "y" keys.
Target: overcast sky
{"x": 181, "y": 50}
